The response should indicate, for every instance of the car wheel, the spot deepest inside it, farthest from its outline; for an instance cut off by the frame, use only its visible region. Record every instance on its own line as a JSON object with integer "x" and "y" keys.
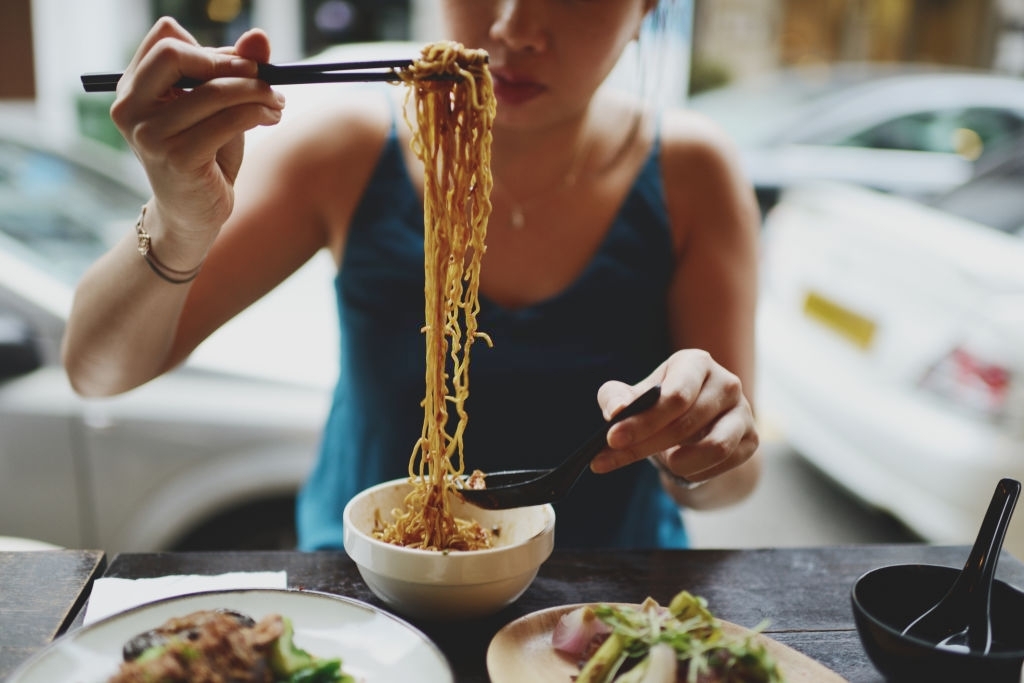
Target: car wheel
{"x": 263, "y": 525}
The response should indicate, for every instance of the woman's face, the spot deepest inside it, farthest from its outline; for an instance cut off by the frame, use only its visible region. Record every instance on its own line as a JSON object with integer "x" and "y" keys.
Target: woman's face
{"x": 547, "y": 57}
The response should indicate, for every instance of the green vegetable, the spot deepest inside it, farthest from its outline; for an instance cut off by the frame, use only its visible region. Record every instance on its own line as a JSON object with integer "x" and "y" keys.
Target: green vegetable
{"x": 285, "y": 657}
{"x": 605, "y": 662}
{"x": 689, "y": 628}
{"x": 661, "y": 664}
{"x": 292, "y": 664}
{"x": 323, "y": 671}
{"x": 151, "y": 653}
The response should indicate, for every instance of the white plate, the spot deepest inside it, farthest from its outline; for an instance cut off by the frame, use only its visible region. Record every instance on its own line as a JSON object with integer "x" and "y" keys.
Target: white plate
{"x": 374, "y": 646}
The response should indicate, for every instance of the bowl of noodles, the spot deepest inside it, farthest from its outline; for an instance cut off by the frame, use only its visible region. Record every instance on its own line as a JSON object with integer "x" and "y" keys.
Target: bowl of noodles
{"x": 446, "y": 584}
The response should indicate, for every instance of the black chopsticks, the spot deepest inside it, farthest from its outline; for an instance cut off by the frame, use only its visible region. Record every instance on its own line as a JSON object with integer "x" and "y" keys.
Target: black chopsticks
{"x": 289, "y": 74}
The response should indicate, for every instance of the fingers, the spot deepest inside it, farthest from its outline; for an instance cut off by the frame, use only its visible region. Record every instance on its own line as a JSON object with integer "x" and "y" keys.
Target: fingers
{"x": 152, "y": 114}
{"x": 169, "y": 52}
{"x": 730, "y": 442}
{"x": 202, "y": 120}
{"x": 690, "y": 398}
{"x": 191, "y": 150}
{"x": 165, "y": 27}
{"x": 702, "y": 424}
{"x": 170, "y": 60}
{"x": 699, "y": 395}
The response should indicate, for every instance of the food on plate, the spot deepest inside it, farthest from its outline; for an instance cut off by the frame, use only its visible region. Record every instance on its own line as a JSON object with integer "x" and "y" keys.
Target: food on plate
{"x": 650, "y": 643}
{"x": 452, "y": 137}
{"x": 214, "y": 646}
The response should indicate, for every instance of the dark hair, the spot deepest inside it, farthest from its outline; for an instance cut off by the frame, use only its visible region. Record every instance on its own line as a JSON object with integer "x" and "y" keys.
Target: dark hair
{"x": 655, "y": 68}
{"x": 664, "y": 53}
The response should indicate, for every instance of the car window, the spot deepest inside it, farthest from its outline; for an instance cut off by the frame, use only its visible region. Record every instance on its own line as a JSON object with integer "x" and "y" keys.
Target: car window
{"x": 57, "y": 215}
{"x": 758, "y": 111}
{"x": 769, "y": 109}
{"x": 967, "y": 131}
{"x": 993, "y": 198}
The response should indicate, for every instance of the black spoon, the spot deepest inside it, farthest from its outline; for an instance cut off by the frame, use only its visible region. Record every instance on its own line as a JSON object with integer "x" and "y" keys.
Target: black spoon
{"x": 961, "y": 620}
{"x": 521, "y": 488}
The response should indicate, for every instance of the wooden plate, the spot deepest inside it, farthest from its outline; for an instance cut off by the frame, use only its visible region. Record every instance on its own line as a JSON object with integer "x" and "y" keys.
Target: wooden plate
{"x": 521, "y": 651}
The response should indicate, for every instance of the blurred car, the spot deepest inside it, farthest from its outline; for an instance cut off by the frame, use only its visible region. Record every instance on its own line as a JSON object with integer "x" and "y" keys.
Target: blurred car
{"x": 891, "y": 343}
{"x": 209, "y": 455}
{"x": 910, "y": 130}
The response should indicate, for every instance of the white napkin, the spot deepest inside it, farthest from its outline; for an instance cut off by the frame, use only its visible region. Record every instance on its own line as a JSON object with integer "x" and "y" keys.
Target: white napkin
{"x": 112, "y": 595}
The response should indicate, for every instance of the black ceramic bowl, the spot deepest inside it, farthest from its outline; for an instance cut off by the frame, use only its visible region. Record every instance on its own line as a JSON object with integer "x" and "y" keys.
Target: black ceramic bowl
{"x": 887, "y": 599}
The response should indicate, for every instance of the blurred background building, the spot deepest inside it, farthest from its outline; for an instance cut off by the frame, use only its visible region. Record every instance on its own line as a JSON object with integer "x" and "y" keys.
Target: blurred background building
{"x": 986, "y": 34}
{"x": 46, "y": 44}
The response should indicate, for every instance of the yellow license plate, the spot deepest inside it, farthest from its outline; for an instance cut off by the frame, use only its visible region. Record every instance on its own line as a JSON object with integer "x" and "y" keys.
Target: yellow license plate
{"x": 854, "y": 327}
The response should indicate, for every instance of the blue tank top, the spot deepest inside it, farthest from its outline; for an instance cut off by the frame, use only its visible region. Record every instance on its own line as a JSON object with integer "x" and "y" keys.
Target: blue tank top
{"x": 532, "y": 397}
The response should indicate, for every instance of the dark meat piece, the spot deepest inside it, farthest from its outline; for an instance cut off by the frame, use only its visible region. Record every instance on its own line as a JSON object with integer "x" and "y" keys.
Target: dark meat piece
{"x": 177, "y": 627}
{"x": 213, "y": 646}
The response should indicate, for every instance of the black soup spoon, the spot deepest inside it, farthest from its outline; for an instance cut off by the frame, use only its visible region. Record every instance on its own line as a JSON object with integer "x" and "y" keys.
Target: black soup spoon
{"x": 961, "y": 620}
{"x": 521, "y": 488}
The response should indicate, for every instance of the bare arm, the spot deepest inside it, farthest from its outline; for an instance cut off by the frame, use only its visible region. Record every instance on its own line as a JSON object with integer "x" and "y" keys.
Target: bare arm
{"x": 714, "y": 299}
{"x": 703, "y": 428}
{"x": 253, "y": 223}
{"x": 122, "y": 322}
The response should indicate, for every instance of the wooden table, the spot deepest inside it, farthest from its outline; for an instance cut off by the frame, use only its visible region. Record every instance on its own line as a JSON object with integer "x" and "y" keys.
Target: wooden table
{"x": 804, "y": 592}
{"x": 41, "y": 592}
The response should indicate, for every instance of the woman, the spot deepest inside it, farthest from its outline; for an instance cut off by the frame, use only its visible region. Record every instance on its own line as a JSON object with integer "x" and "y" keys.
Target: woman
{"x": 621, "y": 254}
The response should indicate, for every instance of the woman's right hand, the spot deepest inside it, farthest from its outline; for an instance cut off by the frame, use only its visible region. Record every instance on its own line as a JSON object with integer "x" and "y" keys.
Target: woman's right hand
{"x": 190, "y": 142}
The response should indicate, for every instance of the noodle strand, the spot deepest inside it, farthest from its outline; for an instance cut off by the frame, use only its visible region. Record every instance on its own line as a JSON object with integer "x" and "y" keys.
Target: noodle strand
{"x": 452, "y": 137}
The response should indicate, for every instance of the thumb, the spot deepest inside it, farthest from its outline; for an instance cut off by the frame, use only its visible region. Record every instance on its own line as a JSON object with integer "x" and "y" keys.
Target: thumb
{"x": 613, "y": 396}
{"x": 253, "y": 44}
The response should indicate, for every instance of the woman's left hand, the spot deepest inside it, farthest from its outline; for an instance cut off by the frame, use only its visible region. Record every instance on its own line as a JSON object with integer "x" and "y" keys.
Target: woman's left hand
{"x": 701, "y": 427}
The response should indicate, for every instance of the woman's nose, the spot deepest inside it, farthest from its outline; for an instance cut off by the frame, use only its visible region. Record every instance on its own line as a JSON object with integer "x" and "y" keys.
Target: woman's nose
{"x": 520, "y": 25}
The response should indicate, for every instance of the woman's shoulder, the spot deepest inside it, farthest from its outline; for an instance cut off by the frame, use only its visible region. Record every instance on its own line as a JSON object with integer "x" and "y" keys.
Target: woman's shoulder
{"x": 320, "y": 128}
{"x": 317, "y": 161}
{"x": 691, "y": 140}
{"x": 707, "y": 188}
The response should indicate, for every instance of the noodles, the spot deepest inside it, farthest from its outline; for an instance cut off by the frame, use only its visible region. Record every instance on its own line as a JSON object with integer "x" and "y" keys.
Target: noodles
{"x": 452, "y": 137}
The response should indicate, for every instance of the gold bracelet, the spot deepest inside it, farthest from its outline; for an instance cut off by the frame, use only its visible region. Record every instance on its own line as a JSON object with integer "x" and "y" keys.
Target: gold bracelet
{"x": 165, "y": 272}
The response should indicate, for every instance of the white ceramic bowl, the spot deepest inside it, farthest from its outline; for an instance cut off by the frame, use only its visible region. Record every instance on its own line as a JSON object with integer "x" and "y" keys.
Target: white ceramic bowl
{"x": 450, "y": 585}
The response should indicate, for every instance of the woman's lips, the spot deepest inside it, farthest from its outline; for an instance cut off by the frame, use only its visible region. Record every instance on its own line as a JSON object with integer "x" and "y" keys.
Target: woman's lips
{"x": 512, "y": 89}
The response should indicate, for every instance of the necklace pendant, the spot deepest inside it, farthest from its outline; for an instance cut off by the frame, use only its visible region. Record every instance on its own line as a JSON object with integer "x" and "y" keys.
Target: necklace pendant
{"x": 518, "y": 218}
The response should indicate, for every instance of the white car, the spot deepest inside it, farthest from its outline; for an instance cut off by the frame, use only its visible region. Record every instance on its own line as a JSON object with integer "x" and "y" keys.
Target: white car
{"x": 891, "y": 344}
{"x": 914, "y": 131}
{"x": 208, "y": 456}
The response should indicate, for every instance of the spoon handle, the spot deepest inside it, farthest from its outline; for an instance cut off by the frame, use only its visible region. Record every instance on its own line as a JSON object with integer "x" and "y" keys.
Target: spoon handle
{"x": 980, "y": 567}
{"x": 569, "y": 471}
{"x": 992, "y": 533}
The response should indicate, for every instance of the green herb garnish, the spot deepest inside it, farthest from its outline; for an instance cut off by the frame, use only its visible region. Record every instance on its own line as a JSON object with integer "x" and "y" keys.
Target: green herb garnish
{"x": 702, "y": 648}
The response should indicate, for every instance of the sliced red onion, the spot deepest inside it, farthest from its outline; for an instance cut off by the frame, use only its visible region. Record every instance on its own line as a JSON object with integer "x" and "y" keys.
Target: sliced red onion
{"x": 576, "y": 629}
